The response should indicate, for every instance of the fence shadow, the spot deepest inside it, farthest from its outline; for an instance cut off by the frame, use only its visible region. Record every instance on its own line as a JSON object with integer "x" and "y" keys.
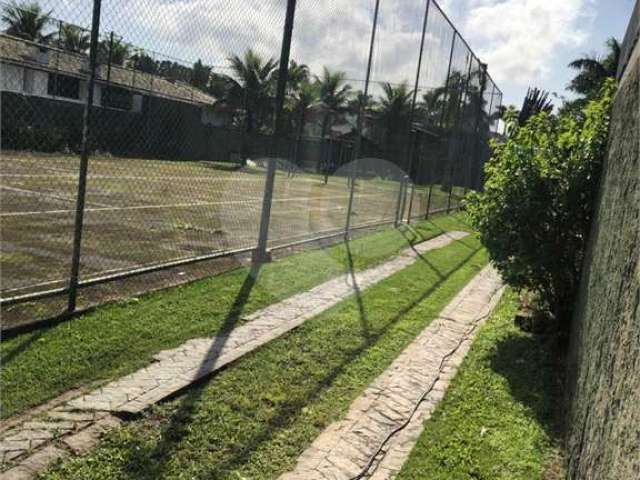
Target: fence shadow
{"x": 364, "y": 321}
{"x": 7, "y": 356}
{"x": 154, "y": 465}
{"x": 182, "y": 418}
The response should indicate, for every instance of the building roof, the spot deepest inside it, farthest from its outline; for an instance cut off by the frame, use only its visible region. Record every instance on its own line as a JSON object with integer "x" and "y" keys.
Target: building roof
{"x": 46, "y": 57}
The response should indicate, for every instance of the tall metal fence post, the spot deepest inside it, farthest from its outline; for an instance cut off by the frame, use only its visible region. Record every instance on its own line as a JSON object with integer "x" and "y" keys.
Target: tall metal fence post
{"x": 464, "y": 135}
{"x": 446, "y": 84}
{"x": 461, "y": 117}
{"x": 416, "y": 148}
{"x": 446, "y": 103}
{"x": 397, "y": 219}
{"x": 458, "y": 127}
{"x": 361, "y": 112}
{"x": 426, "y": 215}
{"x": 260, "y": 254}
{"x": 413, "y": 189}
{"x": 477, "y": 150}
{"x": 84, "y": 160}
{"x": 401, "y": 201}
{"x": 406, "y": 194}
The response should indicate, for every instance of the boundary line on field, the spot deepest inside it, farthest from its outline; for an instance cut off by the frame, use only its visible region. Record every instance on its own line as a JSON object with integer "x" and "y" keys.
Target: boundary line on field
{"x": 153, "y": 268}
{"x": 179, "y": 205}
{"x": 290, "y": 242}
{"x": 46, "y": 195}
{"x": 149, "y": 269}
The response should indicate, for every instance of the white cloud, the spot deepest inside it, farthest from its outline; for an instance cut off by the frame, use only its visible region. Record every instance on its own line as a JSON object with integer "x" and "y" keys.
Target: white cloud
{"x": 335, "y": 33}
{"x": 520, "y": 39}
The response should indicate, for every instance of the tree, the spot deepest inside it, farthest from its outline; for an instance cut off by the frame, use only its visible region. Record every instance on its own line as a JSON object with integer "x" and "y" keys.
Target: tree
{"x": 593, "y": 71}
{"x": 395, "y": 109}
{"x": 432, "y": 105}
{"x": 361, "y": 101}
{"x": 73, "y": 38}
{"x": 27, "y": 20}
{"x": 452, "y": 97}
{"x": 174, "y": 71}
{"x": 200, "y": 75}
{"x": 539, "y": 197}
{"x": 250, "y": 89}
{"x": 143, "y": 62}
{"x": 113, "y": 51}
{"x": 334, "y": 95}
{"x": 297, "y": 75}
{"x": 303, "y": 99}
{"x": 535, "y": 101}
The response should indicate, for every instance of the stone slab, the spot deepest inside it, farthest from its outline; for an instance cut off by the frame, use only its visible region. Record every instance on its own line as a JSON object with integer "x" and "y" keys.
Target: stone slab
{"x": 424, "y": 368}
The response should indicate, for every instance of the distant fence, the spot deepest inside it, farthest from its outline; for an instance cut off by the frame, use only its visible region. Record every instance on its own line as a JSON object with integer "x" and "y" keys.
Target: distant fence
{"x": 290, "y": 122}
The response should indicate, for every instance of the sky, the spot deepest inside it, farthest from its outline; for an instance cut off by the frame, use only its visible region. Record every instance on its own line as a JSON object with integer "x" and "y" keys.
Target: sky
{"x": 532, "y": 41}
{"x": 524, "y": 42}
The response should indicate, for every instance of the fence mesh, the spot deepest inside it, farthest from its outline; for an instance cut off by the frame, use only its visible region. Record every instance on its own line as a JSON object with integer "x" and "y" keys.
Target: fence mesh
{"x": 385, "y": 119}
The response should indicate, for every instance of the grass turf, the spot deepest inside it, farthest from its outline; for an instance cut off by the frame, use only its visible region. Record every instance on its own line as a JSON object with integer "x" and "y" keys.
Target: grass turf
{"x": 120, "y": 338}
{"x": 145, "y": 212}
{"x": 497, "y": 418}
{"x": 253, "y": 419}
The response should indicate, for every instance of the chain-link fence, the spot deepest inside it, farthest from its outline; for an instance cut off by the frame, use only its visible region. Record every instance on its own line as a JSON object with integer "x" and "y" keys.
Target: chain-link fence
{"x": 121, "y": 165}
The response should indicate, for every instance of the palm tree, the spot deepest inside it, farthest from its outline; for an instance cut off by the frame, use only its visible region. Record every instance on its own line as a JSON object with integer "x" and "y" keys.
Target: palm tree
{"x": 144, "y": 62}
{"x": 361, "y": 101}
{"x": 394, "y": 115}
{"x": 450, "y": 98}
{"x": 430, "y": 109}
{"x": 298, "y": 74}
{"x": 200, "y": 75}
{"x": 303, "y": 99}
{"x": 250, "y": 87}
{"x": 334, "y": 95}
{"x": 27, "y": 20}
{"x": 535, "y": 101}
{"x": 113, "y": 51}
{"x": 593, "y": 71}
{"x": 395, "y": 109}
{"x": 73, "y": 38}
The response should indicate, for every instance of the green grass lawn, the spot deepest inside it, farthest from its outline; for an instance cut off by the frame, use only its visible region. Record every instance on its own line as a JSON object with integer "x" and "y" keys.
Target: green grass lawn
{"x": 253, "y": 419}
{"x": 497, "y": 420}
{"x": 117, "y": 339}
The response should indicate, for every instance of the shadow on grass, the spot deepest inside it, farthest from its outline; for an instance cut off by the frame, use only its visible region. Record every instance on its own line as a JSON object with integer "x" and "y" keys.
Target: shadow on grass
{"x": 7, "y": 356}
{"x": 528, "y": 364}
{"x": 364, "y": 321}
{"x": 181, "y": 419}
{"x": 154, "y": 464}
{"x": 426, "y": 261}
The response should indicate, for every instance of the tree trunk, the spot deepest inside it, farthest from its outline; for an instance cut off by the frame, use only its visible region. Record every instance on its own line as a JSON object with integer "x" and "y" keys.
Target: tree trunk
{"x": 298, "y": 136}
{"x": 323, "y": 151}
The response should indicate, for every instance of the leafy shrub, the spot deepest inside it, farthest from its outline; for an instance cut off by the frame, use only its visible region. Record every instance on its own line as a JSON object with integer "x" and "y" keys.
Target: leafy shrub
{"x": 535, "y": 212}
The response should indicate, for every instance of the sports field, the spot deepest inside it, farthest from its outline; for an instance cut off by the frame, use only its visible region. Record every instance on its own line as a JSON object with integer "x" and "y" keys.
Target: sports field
{"x": 145, "y": 212}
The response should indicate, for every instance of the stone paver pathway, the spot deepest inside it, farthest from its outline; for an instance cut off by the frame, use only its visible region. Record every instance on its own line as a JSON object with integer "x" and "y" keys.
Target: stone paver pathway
{"x": 75, "y": 425}
{"x": 348, "y": 448}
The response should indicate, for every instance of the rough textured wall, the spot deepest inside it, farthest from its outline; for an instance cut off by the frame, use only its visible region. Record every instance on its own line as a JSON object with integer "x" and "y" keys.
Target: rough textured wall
{"x": 604, "y": 429}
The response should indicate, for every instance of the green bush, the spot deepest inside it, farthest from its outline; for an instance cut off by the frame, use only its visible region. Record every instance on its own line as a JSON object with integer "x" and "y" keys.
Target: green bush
{"x": 535, "y": 212}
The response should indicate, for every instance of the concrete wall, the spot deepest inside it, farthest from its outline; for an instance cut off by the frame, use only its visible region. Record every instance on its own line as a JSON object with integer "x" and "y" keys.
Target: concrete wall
{"x": 604, "y": 365}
